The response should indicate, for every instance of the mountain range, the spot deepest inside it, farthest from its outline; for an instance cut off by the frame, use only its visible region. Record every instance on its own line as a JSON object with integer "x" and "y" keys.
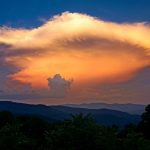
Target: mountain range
{"x": 57, "y": 113}
{"x": 129, "y": 107}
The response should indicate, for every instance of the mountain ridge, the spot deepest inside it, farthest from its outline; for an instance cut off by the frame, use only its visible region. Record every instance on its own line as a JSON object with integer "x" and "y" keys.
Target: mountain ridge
{"x": 59, "y": 113}
{"x": 127, "y": 107}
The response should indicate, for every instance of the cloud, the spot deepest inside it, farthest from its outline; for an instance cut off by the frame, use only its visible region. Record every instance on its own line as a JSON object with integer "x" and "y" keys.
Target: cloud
{"x": 14, "y": 90}
{"x": 59, "y": 86}
{"x": 89, "y": 50}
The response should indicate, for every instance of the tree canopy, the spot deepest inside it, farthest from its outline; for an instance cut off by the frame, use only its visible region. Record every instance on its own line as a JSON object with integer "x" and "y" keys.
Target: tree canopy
{"x": 78, "y": 133}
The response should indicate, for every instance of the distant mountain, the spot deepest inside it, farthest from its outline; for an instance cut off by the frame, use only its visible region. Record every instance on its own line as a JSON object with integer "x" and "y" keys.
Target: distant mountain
{"x": 56, "y": 113}
{"x": 129, "y": 108}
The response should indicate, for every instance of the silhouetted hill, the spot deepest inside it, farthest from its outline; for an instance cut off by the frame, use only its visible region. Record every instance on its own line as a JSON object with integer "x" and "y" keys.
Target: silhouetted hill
{"x": 56, "y": 113}
{"x": 129, "y": 108}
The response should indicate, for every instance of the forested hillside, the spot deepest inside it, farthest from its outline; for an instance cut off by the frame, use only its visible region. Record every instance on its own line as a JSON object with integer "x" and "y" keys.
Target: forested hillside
{"x": 78, "y": 133}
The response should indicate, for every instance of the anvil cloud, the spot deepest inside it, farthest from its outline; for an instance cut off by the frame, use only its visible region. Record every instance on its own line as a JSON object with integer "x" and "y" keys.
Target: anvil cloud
{"x": 86, "y": 49}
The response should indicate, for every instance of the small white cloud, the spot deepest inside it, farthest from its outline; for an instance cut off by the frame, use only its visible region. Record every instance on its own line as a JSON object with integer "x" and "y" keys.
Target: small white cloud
{"x": 59, "y": 86}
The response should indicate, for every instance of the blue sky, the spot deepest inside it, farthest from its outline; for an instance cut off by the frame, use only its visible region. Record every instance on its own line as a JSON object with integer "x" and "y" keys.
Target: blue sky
{"x": 27, "y": 13}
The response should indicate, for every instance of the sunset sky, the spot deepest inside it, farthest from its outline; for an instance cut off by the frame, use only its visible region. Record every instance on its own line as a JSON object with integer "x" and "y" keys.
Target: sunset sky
{"x": 75, "y": 51}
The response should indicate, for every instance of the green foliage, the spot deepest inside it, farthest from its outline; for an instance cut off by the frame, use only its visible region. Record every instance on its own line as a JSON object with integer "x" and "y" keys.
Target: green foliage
{"x": 78, "y": 133}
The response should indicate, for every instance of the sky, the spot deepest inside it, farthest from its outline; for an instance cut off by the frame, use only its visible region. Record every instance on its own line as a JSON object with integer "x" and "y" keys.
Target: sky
{"x": 75, "y": 51}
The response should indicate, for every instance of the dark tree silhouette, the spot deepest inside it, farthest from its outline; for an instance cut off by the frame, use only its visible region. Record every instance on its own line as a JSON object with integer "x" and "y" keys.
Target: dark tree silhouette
{"x": 144, "y": 125}
{"x": 6, "y": 118}
{"x": 80, "y": 132}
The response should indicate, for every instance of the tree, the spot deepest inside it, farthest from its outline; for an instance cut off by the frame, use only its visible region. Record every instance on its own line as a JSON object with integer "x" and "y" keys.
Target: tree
{"x": 144, "y": 125}
{"x": 6, "y": 118}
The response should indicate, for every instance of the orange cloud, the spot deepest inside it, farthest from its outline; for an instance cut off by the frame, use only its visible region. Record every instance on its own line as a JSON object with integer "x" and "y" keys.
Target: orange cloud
{"x": 79, "y": 47}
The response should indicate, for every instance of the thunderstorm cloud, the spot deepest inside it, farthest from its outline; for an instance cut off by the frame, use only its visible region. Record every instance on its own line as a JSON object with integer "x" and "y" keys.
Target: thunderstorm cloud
{"x": 89, "y": 50}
